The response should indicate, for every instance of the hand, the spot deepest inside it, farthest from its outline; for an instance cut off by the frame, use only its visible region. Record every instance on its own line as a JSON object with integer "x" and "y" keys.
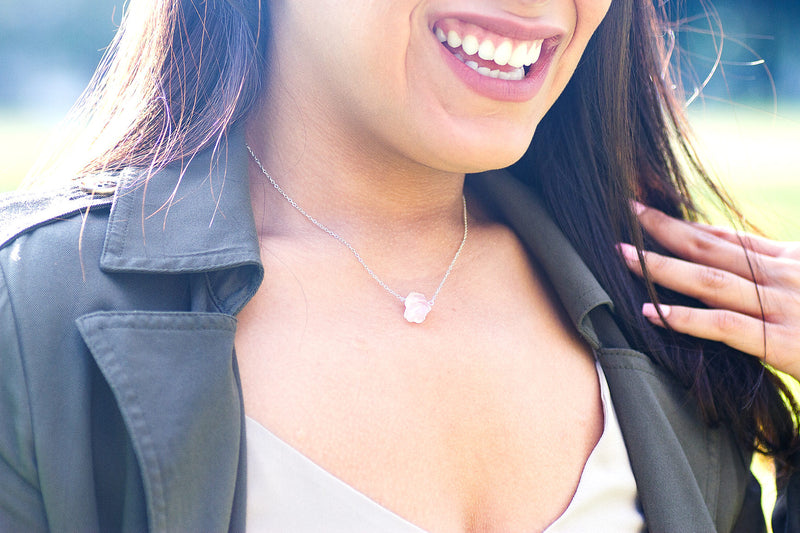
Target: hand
{"x": 751, "y": 285}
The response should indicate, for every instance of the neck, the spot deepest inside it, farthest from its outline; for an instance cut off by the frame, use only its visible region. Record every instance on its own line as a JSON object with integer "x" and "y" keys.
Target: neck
{"x": 377, "y": 201}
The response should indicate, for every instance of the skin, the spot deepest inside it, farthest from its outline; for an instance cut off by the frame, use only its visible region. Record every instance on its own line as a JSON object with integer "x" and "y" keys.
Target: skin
{"x": 371, "y": 132}
{"x": 750, "y": 284}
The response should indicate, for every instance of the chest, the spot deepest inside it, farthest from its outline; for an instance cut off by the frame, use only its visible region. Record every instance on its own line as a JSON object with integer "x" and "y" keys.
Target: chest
{"x": 486, "y": 424}
{"x": 479, "y": 419}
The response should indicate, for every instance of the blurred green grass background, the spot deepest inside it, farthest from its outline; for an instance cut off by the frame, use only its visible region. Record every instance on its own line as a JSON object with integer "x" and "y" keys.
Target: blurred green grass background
{"x": 756, "y": 155}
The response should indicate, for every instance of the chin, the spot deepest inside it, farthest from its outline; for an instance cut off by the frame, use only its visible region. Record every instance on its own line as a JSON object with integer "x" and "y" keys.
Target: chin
{"x": 474, "y": 157}
{"x": 474, "y": 162}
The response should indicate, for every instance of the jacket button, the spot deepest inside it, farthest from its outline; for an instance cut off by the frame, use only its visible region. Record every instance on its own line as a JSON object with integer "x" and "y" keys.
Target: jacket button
{"x": 98, "y": 185}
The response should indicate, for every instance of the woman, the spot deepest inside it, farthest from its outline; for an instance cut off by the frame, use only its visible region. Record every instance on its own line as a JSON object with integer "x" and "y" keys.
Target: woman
{"x": 412, "y": 349}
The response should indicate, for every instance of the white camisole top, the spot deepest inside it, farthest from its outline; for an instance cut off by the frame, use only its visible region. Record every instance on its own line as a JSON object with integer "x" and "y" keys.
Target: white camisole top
{"x": 289, "y": 493}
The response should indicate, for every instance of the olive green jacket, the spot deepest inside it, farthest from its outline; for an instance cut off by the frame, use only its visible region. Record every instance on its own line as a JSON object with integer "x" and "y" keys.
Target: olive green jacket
{"x": 120, "y": 401}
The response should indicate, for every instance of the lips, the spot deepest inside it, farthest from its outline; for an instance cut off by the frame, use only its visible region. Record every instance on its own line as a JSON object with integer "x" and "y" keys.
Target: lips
{"x": 501, "y": 59}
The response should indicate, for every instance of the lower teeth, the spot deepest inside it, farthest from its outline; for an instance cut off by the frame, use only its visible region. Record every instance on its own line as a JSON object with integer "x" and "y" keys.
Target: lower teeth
{"x": 512, "y": 75}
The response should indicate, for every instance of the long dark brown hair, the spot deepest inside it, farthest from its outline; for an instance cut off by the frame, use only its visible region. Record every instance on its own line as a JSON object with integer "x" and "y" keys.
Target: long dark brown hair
{"x": 181, "y": 72}
{"x": 623, "y": 110}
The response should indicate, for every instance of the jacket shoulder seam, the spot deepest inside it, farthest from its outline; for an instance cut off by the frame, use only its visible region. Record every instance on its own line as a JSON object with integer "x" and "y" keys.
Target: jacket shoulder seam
{"x": 22, "y": 212}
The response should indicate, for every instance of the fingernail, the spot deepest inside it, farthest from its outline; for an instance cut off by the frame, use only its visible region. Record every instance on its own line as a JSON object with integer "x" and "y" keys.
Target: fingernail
{"x": 638, "y": 208}
{"x": 627, "y": 251}
{"x": 650, "y": 311}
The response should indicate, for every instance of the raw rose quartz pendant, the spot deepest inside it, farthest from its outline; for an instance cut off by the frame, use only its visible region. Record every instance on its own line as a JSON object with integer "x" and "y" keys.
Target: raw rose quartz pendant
{"x": 417, "y": 307}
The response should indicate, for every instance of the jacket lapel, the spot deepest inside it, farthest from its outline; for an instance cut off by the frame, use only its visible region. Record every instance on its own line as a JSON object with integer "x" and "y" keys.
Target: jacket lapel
{"x": 174, "y": 378}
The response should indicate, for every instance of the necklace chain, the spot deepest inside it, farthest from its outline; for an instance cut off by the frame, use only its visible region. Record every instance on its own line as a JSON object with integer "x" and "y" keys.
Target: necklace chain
{"x": 349, "y": 246}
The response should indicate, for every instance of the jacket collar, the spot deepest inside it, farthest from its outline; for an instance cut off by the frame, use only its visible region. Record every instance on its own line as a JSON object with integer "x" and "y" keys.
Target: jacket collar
{"x": 577, "y": 288}
{"x": 189, "y": 218}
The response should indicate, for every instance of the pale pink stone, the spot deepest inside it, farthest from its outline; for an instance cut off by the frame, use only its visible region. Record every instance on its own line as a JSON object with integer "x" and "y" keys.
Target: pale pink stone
{"x": 417, "y": 307}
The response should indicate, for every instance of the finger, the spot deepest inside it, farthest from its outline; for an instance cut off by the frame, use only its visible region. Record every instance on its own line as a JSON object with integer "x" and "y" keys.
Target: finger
{"x": 738, "y": 331}
{"x": 754, "y": 243}
{"x": 685, "y": 240}
{"x": 775, "y": 345}
{"x": 712, "y": 286}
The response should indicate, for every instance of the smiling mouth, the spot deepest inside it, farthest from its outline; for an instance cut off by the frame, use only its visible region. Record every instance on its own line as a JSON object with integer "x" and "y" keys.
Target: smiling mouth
{"x": 490, "y": 55}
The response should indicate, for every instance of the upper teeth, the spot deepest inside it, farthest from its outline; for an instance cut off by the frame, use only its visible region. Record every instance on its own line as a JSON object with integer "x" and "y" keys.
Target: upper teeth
{"x": 519, "y": 55}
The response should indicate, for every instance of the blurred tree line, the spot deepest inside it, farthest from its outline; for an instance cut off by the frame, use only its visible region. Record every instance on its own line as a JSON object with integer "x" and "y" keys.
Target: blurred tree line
{"x": 759, "y": 43}
{"x": 48, "y": 49}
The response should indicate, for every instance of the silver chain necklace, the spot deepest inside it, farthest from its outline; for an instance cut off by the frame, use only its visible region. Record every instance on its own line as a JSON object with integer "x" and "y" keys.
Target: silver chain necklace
{"x": 417, "y": 306}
